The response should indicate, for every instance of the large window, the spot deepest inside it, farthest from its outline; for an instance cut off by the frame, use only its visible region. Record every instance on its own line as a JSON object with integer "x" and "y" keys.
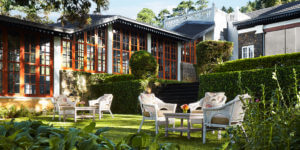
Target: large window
{"x": 30, "y": 65}
{"x": 79, "y": 52}
{"x": 101, "y": 50}
{"x": 188, "y": 52}
{"x": 67, "y": 53}
{"x": 165, "y": 53}
{"x": 125, "y": 43}
{"x": 13, "y": 62}
{"x": 1, "y": 61}
{"x": 45, "y": 68}
{"x": 90, "y": 48}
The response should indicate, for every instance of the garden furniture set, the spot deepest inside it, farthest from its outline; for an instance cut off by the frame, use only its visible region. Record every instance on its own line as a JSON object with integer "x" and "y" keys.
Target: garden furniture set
{"x": 65, "y": 107}
{"x": 211, "y": 111}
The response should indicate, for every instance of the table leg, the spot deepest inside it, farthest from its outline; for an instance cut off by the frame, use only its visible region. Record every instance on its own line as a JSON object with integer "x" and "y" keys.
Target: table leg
{"x": 202, "y": 127}
{"x": 167, "y": 125}
{"x": 94, "y": 114}
{"x": 189, "y": 128}
{"x": 181, "y": 125}
{"x": 64, "y": 114}
{"x": 75, "y": 115}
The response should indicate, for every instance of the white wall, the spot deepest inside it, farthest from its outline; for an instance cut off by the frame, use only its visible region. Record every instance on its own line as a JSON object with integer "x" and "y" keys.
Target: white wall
{"x": 109, "y": 49}
{"x": 220, "y": 24}
{"x": 57, "y": 65}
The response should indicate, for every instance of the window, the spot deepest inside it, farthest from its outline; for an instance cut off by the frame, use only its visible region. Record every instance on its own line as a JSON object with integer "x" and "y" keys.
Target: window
{"x": 134, "y": 42}
{"x": 248, "y": 51}
{"x": 188, "y": 52}
{"x": 30, "y": 65}
{"x": 79, "y": 52}
{"x": 13, "y": 62}
{"x": 90, "y": 48}
{"x": 67, "y": 53}
{"x": 45, "y": 77}
{"x": 142, "y": 41}
{"x": 101, "y": 50}
{"x": 1, "y": 61}
{"x": 116, "y": 51}
{"x": 125, "y": 52}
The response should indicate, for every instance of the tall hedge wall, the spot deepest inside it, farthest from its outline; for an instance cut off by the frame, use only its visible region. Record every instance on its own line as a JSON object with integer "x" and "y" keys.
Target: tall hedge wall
{"x": 233, "y": 82}
{"x": 125, "y": 94}
{"x": 259, "y": 63}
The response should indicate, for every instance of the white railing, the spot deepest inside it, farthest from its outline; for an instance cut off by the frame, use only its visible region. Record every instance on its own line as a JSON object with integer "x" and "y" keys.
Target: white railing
{"x": 202, "y": 15}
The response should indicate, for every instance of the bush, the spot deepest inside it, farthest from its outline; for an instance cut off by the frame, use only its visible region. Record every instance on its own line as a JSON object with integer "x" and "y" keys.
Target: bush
{"x": 143, "y": 65}
{"x": 232, "y": 83}
{"x": 210, "y": 53}
{"x": 125, "y": 100}
{"x": 271, "y": 122}
{"x": 263, "y": 62}
{"x": 36, "y": 135}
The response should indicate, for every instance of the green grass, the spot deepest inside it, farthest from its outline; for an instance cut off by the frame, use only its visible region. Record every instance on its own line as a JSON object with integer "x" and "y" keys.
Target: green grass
{"x": 122, "y": 125}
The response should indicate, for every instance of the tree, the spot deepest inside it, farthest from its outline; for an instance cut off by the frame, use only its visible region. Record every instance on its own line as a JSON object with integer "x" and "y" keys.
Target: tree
{"x": 146, "y": 15}
{"x": 224, "y": 9}
{"x": 230, "y": 10}
{"x": 183, "y": 8}
{"x": 38, "y": 10}
{"x": 202, "y": 4}
{"x": 260, "y": 4}
{"x": 161, "y": 16}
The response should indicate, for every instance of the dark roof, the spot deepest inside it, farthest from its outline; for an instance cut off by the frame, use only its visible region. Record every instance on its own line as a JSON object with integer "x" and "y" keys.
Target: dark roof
{"x": 34, "y": 26}
{"x": 270, "y": 15}
{"x": 97, "y": 21}
{"x": 194, "y": 29}
{"x": 104, "y": 20}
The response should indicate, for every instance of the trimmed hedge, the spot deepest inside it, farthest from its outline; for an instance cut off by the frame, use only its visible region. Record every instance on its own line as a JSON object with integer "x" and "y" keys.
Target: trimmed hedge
{"x": 210, "y": 53}
{"x": 282, "y": 60}
{"x": 232, "y": 83}
{"x": 125, "y": 100}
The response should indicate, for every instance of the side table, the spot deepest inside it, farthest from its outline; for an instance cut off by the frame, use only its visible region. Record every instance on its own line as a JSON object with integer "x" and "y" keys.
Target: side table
{"x": 182, "y": 116}
{"x": 93, "y": 109}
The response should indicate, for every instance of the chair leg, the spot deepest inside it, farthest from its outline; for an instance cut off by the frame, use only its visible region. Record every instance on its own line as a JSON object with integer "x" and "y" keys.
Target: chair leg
{"x": 204, "y": 133}
{"x": 156, "y": 127}
{"x": 53, "y": 114}
{"x": 219, "y": 135}
{"x": 112, "y": 116}
{"x": 141, "y": 125}
{"x": 100, "y": 114}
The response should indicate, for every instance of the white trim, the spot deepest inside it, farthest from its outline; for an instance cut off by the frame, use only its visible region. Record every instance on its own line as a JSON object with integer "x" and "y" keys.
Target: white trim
{"x": 149, "y": 42}
{"x": 277, "y": 24}
{"x": 249, "y": 51}
{"x": 26, "y": 98}
{"x": 258, "y": 29}
{"x": 57, "y": 65}
{"x": 179, "y": 62}
{"x": 109, "y": 49}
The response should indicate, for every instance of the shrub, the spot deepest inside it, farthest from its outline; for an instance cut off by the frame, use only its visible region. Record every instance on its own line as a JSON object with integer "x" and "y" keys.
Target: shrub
{"x": 210, "y": 53}
{"x": 125, "y": 100}
{"x": 143, "y": 64}
{"x": 271, "y": 122}
{"x": 232, "y": 83}
{"x": 282, "y": 60}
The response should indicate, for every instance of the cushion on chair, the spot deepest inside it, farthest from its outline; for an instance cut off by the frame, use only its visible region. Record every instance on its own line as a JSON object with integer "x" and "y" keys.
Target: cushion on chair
{"x": 197, "y": 111}
{"x": 146, "y": 114}
{"x": 148, "y": 98}
{"x": 213, "y": 99}
{"x": 220, "y": 119}
{"x": 161, "y": 112}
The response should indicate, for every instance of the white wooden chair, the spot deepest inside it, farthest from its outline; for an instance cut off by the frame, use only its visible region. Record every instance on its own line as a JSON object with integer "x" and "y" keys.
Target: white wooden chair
{"x": 197, "y": 107}
{"x": 231, "y": 113}
{"x": 153, "y": 109}
{"x": 60, "y": 101}
{"x": 103, "y": 104}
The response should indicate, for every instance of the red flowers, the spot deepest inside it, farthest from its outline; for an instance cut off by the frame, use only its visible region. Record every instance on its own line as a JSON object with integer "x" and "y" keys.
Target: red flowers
{"x": 185, "y": 107}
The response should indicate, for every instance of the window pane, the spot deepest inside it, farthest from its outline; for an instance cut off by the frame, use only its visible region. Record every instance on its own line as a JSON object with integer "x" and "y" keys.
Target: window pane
{"x": 13, "y": 62}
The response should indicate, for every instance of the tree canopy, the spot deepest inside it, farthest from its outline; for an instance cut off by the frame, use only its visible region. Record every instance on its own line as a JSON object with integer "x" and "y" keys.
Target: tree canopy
{"x": 260, "y": 4}
{"x": 146, "y": 15}
{"x": 38, "y": 10}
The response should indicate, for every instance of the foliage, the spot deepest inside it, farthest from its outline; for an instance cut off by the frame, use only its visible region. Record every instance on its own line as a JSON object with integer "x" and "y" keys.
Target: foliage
{"x": 183, "y": 8}
{"x": 161, "y": 16}
{"x": 210, "y": 53}
{"x": 13, "y": 112}
{"x": 146, "y": 15}
{"x": 229, "y": 10}
{"x": 202, "y": 4}
{"x": 260, "y": 4}
{"x": 232, "y": 83}
{"x": 281, "y": 60}
{"x": 143, "y": 65}
{"x": 270, "y": 123}
{"x": 71, "y": 10}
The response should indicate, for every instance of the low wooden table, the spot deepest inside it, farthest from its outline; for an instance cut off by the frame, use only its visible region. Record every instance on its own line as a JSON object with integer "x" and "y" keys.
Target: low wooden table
{"x": 182, "y": 116}
{"x": 93, "y": 109}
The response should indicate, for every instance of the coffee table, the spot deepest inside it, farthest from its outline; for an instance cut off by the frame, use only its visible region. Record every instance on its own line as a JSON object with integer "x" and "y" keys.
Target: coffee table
{"x": 182, "y": 116}
{"x": 93, "y": 109}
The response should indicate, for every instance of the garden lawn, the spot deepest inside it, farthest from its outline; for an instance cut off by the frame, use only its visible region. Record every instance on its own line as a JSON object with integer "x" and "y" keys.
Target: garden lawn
{"x": 123, "y": 125}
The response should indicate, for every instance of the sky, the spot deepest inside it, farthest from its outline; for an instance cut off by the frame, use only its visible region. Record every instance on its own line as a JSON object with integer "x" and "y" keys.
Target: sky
{"x": 130, "y": 8}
